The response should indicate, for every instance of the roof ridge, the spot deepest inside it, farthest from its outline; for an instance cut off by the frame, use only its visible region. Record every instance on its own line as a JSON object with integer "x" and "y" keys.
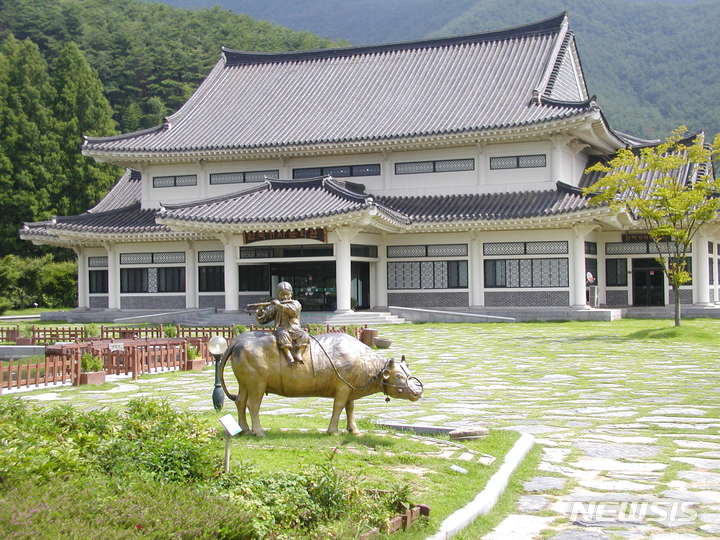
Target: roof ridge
{"x": 454, "y": 196}
{"x": 236, "y": 57}
{"x": 70, "y": 219}
{"x": 553, "y": 60}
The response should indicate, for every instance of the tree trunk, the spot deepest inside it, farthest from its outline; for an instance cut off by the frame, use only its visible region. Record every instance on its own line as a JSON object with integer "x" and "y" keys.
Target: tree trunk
{"x": 676, "y": 296}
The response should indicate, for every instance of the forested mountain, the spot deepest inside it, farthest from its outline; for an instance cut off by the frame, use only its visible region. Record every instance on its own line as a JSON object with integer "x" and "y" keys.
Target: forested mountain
{"x": 652, "y": 63}
{"x": 92, "y": 67}
{"x": 150, "y": 56}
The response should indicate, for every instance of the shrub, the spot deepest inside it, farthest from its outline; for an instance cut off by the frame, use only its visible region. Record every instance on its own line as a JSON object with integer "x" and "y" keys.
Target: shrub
{"x": 239, "y": 329}
{"x": 192, "y": 352}
{"x": 5, "y": 304}
{"x": 170, "y": 331}
{"x": 26, "y": 330}
{"x": 90, "y": 363}
{"x": 92, "y": 330}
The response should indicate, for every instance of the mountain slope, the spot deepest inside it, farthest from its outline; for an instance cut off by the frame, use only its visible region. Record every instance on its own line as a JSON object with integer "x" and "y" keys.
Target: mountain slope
{"x": 652, "y": 63}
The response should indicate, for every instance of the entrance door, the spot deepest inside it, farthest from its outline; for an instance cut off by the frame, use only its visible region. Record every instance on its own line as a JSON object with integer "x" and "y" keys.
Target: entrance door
{"x": 360, "y": 288}
{"x": 648, "y": 283}
{"x": 313, "y": 283}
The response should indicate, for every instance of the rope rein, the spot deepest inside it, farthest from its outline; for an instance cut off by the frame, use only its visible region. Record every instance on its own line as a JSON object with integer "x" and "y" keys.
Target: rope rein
{"x": 343, "y": 379}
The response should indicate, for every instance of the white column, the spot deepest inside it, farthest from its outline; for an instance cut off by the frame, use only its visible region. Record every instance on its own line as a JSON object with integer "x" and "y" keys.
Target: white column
{"x": 82, "y": 281}
{"x": 381, "y": 296}
{"x": 577, "y": 267}
{"x": 557, "y": 158}
{"x": 476, "y": 277}
{"x": 700, "y": 270}
{"x": 191, "y": 276}
{"x": 231, "y": 276}
{"x": 716, "y": 274}
{"x": 343, "y": 272}
{"x": 601, "y": 278}
{"x": 113, "y": 277}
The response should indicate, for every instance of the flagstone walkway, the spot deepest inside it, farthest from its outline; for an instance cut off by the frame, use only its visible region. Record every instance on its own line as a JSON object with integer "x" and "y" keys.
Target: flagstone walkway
{"x": 629, "y": 427}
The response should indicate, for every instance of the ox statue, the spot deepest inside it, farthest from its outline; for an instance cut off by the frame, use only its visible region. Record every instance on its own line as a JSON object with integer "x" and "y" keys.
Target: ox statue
{"x": 335, "y": 365}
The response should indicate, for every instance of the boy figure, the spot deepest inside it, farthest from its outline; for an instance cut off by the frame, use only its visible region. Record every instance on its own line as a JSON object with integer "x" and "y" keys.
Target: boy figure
{"x": 285, "y": 311}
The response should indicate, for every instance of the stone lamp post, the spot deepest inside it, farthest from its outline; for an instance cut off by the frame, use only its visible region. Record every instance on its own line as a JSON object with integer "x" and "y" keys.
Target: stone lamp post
{"x": 217, "y": 346}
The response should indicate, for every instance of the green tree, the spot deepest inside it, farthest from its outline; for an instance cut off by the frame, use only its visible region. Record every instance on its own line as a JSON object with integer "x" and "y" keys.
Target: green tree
{"x": 680, "y": 199}
{"x": 29, "y": 149}
{"x": 80, "y": 107}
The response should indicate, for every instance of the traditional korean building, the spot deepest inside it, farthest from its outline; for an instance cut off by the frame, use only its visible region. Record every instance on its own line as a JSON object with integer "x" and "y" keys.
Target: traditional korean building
{"x": 440, "y": 173}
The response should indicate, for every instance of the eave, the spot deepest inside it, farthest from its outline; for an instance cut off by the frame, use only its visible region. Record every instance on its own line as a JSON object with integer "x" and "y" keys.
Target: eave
{"x": 581, "y": 121}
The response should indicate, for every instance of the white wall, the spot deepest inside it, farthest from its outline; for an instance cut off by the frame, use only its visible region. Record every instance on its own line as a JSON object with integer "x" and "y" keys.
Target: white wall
{"x": 480, "y": 180}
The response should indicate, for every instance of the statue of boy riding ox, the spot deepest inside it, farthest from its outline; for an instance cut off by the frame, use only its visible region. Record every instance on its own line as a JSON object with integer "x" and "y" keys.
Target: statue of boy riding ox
{"x": 330, "y": 365}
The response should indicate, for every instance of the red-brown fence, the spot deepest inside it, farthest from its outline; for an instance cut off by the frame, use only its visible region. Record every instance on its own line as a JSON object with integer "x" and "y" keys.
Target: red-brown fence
{"x": 62, "y": 363}
{"x": 9, "y": 333}
{"x": 132, "y": 332}
{"x": 46, "y": 335}
{"x": 206, "y": 332}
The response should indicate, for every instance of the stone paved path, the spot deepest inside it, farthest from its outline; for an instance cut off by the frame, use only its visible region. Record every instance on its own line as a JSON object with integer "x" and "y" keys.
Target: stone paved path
{"x": 629, "y": 428}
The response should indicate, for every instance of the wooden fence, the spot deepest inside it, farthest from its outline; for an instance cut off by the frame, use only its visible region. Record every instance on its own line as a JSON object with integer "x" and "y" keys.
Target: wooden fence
{"x": 62, "y": 363}
{"x": 48, "y": 335}
{"x": 9, "y": 334}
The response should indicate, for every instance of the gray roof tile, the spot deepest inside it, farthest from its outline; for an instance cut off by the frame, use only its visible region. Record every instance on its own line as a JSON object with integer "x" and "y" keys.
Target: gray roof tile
{"x": 452, "y": 85}
{"x": 488, "y": 206}
{"x": 127, "y": 191}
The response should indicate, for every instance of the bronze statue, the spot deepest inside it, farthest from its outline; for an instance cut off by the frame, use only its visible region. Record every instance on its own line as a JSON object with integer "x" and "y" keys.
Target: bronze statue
{"x": 338, "y": 366}
{"x": 285, "y": 312}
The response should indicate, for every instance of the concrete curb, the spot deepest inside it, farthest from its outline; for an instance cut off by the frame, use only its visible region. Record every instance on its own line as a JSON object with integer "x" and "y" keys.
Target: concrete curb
{"x": 486, "y": 499}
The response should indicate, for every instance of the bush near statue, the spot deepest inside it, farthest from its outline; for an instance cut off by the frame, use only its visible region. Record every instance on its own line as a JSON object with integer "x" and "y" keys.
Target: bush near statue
{"x": 289, "y": 363}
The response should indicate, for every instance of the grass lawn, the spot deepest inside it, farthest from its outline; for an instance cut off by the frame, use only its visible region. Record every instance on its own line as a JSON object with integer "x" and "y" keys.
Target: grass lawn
{"x": 33, "y": 311}
{"x": 630, "y": 391}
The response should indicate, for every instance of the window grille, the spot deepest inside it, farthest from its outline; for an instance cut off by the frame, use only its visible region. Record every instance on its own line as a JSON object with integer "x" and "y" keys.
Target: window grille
{"x": 98, "y": 262}
{"x": 546, "y": 248}
{"x": 211, "y": 256}
{"x": 175, "y": 181}
{"x": 625, "y": 248}
{"x": 443, "y": 165}
{"x": 152, "y": 274}
{"x": 504, "y": 248}
{"x": 136, "y": 258}
{"x": 447, "y": 250}
{"x": 246, "y": 177}
{"x": 361, "y": 250}
{"x": 530, "y": 162}
{"x": 590, "y": 248}
{"x": 337, "y": 171}
{"x": 169, "y": 257}
{"x": 526, "y": 273}
{"x": 406, "y": 251}
{"x": 427, "y": 275}
{"x": 518, "y": 162}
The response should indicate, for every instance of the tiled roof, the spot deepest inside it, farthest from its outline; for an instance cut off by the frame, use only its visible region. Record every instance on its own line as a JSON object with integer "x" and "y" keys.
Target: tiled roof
{"x": 452, "y": 85}
{"x": 130, "y": 219}
{"x": 279, "y": 201}
{"x": 127, "y": 191}
{"x": 488, "y": 206}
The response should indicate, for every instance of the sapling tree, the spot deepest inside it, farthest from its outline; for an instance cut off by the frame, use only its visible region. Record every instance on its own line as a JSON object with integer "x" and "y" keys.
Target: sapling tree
{"x": 670, "y": 192}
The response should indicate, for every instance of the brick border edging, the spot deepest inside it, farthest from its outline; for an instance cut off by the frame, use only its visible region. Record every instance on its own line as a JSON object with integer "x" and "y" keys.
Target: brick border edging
{"x": 488, "y": 497}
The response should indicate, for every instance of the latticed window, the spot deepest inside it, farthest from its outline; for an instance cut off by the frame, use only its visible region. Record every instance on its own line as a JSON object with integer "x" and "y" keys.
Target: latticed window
{"x": 550, "y": 247}
{"x": 432, "y": 250}
{"x": 526, "y": 273}
{"x": 211, "y": 256}
{"x": 98, "y": 262}
{"x": 518, "y": 162}
{"x": 337, "y": 171}
{"x": 444, "y": 165}
{"x": 175, "y": 181}
{"x": 133, "y": 280}
{"x": 244, "y": 177}
{"x": 428, "y": 275}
